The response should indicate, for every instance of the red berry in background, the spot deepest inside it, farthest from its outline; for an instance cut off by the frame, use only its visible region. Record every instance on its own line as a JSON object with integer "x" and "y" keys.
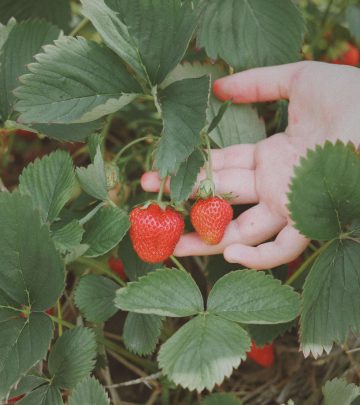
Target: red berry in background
{"x": 264, "y": 356}
{"x": 116, "y": 265}
{"x": 351, "y": 57}
{"x": 294, "y": 265}
{"x": 210, "y": 217}
{"x": 154, "y": 232}
{"x": 14, "y": 400}
{"x": 26, "y": 134}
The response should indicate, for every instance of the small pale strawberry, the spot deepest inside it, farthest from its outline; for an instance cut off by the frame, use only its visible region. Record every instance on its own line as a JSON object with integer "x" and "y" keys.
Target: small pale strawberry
{"x": 154, "y": 232}
{"x": 210, "y": 217}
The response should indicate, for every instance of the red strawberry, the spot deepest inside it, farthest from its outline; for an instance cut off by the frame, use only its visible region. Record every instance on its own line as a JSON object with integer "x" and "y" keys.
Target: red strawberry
{"x": 116, "y": 265}
{"x": 26, "y": 134}
{"x": 14, "y": 399}
{"x": 264, "y": 356}
{"x": 351, "y": 57}
{"x": 210, "y": 217}
{"x": 155, "y": 232}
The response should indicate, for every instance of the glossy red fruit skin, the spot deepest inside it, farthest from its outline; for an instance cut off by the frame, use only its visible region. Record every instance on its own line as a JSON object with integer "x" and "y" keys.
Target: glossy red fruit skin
{"x": 116, "y": 265}
{"x": 154, "y": 232}
{"x": 210, "y": 217}
{"x": 263, "y": 356}
{"x": 351, "y": 57}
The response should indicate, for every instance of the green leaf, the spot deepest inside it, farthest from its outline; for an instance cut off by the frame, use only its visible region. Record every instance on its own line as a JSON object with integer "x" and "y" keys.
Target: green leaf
{"x": 266, "y": 334}
{"x": 45, "y": 395}
{"x": 23, "y": 342}
{"x": 353, "y": 20}
{"x": 94, "y": 296}
{"x": 22, "y": 43}
{"x": 49, "y": 182}
{"x": 183, "y": 182}
{"x": 105, "y": 230}
{"x": 338, "y": 391}
{"x": 253, "y": 297}
{"x": 114, "y": 32}
{"x": 223, "y": 399}
{"x": 134, "y": 267}
{"x": 56, "y": 11}
{"x": 248, "y": 34}
{"x": 72, "y": 358}
{"x": 168, "y": 292}
{"x": 151, "y": 35}
{"x": 68, "y": 238}
{"x": 330, "y": 298}
{"x": 183, "y": 105}
{"x": 214, "y": 346}
{"x": 89, "y": 391}
{"x": 240, "y": 124}
{"x": 322, "y": 201}
{"x": 26, "y": 384}
{"x": 93, "y": 178}
{"x": 93, "y": 81}
{"x": 68, "y": 132}
{"x": 31, "y": 269}
{"x": 5, "y": 31}
{"x": 141, "y": 333}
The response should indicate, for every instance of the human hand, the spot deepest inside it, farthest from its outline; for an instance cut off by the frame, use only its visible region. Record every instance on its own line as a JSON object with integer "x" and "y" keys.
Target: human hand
{"x": 323, "y": 106}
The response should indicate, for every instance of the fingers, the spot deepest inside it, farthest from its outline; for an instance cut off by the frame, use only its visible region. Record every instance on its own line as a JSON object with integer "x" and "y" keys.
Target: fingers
{"x": 254, "y": 226}
{"x": 236, "y": 156}
{"x": 257, "y": 85}
{"x": 240, "y": 182}
{"x": 288, "y": 245}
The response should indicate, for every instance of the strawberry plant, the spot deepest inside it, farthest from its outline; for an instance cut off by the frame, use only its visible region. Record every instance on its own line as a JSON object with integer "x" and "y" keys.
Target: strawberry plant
{"x": 94, "y": 299}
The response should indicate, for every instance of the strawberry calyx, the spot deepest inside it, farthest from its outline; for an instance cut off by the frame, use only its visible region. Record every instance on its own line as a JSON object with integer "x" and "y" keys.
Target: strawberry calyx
{"x": 162, "y": 204}
{"x": 206, "y": 189}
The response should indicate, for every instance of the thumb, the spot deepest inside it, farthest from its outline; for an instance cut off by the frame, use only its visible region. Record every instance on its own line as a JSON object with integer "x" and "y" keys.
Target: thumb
{"x": 260, "y": 84}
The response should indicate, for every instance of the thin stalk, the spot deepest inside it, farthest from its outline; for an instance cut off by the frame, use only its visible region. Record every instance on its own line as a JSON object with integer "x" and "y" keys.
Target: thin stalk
{"x": 82, "y": 24}
{"x": 307, "y": 262}
{"x": 107, "y": 126}
{"x": 101, "y": 268}
{"x": 177, "y": 263}
{"x": 59, "y": 314}
{"x": 326, "y": 13}
{"x": 129, "y": 145}
{"x": 161, "y": 190}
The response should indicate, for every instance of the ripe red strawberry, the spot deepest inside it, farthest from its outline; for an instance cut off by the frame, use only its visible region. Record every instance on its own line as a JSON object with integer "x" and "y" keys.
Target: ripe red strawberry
{"x": 116, "y": 265}
{"x": 210, "y": 217}
{"x": 351, "y": 57}
{"x": 154, "y": 232}
{"x": 264, "y": 356}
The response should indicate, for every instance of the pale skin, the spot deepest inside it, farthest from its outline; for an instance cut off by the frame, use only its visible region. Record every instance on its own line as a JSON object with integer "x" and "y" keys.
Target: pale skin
{"x": 323, "y": 105}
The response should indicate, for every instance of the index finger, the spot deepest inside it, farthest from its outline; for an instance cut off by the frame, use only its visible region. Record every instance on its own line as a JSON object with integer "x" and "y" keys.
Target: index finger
{"x": 258, "y": 85}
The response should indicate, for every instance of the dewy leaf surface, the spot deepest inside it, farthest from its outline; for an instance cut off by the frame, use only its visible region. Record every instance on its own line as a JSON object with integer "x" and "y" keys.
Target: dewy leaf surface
{"x": 22, "y": 43}
{"x": 74, "y": 81}
{"x": 168, "y": 292}
{"x": 251, "y": 33}
{"x": 184, "y": 104}
{"x": 250, "y": 296}
{"x": 322, "y": 200}
{"x": 203, "y": 352}
{"x": 331, "y": 298}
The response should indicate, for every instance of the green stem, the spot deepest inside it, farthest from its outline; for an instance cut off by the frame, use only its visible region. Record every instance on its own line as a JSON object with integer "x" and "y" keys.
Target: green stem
{"x": 326, "y": 13}
{"x": 82, "y": 24}
{"x": 209, "y": 173}
{"x": 63, "y": 323}
{"x": 107, "y": 126}
{"x": 129, "y": 145}
{"x": 161, "y": 190}
{"x": 178, "y": 264}
{"x": 91, "y": 214}
{"x": 101, "y": 268}
{"x": 307, "y": 262}
{"x": 60, "y": 318}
